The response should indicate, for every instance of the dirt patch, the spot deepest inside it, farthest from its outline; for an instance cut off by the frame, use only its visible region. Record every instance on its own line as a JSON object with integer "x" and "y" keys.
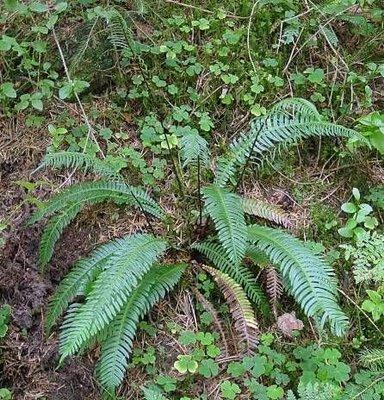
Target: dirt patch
{"x": 28, "y": 358}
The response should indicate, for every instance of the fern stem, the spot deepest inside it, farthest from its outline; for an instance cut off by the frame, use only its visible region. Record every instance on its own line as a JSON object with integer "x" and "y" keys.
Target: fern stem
{"x": 250, "y": 154}
{"x": 144, "y": 212}
{"x": 175, "y": 169}
{"x": 199, "y": 191}
{"x": 373, "y": 383}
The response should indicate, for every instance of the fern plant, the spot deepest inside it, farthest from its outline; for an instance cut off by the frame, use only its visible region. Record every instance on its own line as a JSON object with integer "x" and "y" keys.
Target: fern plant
{"x": 105, "y": 294}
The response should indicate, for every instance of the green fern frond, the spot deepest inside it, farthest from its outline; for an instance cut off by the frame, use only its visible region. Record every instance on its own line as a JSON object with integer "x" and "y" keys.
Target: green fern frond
{"x": 373, "y": 359}
{"x": 120, "y": 33}
{"x": 153, "y": 394}
{"x": 80, "y": 278}
{"x": 117, "y": 345}
{"x": 296, "y": 106}
{"x": 69, "y": 159}
{"x": 312, "y": 281}
{"x": 226, "y": 211}
{"x": 52, "y": 232}
{"x": 194, "y": 147}
{"x": 268, "y": 133}
{"x": 110, "y": 291}
{"x": 265, "y": 210}
{"x": 239, "y": 306}
{"x": 257, "y": 257}
{"x": 240, "y": 273}
{"x": 96, "y": 192}
{"x": 317, "y": 391}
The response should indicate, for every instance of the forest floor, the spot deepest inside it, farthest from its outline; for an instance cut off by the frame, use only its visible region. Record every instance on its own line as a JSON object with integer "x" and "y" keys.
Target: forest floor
{"x": 217, "y": 82}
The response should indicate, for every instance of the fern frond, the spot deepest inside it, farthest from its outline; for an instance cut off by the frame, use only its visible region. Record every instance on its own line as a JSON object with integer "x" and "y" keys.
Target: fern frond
{"x": 296, "y": 106}
{"x": 110, "y": 291}
{"x": 239, "y": 306}
{"x": 68, "y": 159}
{"x": 96, "y": 192}
{"x": 274, "y": 286}
{"x": 52, "y": 232}
{"x": 226, "y": 211}
{"x": 279, "y": 127}
{"x": 265, "y": 210}
{"x": 312, "y": 281}
{"x": 194, "y": 147}
{"x": 80, "y": 278}
{"x": 257, "y": 257}
{"x": 317, "y": 391}
{"x": 153, "y": 394}
{"x": 373, "y": 359}
{"x": 240, "y": 273}
{"x": 120, "y": 33}
{"x": 117, "y": 345}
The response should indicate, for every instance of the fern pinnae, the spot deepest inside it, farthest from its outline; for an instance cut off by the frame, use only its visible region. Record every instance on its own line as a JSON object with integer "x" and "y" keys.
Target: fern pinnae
{"x": 52, "y": 232}
{"x": 286, "y": 124}
{"x": 372, "y": 359}
{"x": 96, "y": 192}
{"x": 120, "y": 33}
{"x": 312, "y": 281}
{"x": 241, "y": 309}
{"x": 296, "y": 106}
{"x": 117, "y": 345}
{"x": 194, "y": 148}
{"x": 274, "y": 286}
{"x": 81, "y": 275}
{"x": 240, "y": 273}
{"x": 86, "y": 162}
{"x": 265, "y": 210}
{"x": 226, "y": 211}
{"x": 110, "y": 291}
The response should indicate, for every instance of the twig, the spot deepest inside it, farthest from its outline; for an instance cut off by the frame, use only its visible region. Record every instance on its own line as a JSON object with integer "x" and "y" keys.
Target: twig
{"x": 202, "y": 9}
{"x": 362, "y": 311}
{"x": 286, "y": 20}
{"x": 249, "y": 34}
{"x": 313, "y": 36}
{"x": 86, "y": 120}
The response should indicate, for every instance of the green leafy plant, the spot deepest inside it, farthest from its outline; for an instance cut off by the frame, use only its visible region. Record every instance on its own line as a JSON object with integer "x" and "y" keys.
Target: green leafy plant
{"x": 367, "y": 257}
{"x": 5, "y": 312}
{"x": 122, "y": 279}
{"x": 375, "y": 303}
{"x": 372, "y": 127}
{"x": 360, "y": 217}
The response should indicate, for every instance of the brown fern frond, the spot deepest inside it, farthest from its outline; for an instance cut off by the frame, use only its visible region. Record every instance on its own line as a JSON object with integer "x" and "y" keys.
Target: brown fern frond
{"x": 263, "y": 209}
{"x": 274, "y": 286}
{"x": 239, "y": 306}
{"x": 210, "y": 309}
